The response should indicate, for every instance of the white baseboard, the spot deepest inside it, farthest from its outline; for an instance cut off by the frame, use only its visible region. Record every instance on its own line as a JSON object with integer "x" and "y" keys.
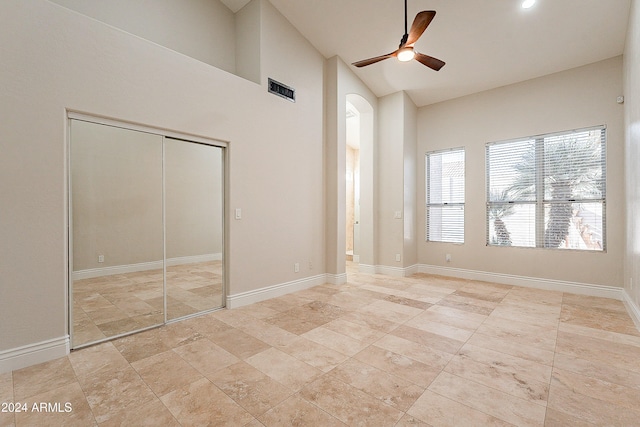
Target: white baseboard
{"x": 143, "y": 266}
{"x": 388, "y": 270}
{"x": 530, "y": 282}
{"x": 397, "y": 271}
{"x": 336, "y": 279}
{"x": 257, "y": 295}
{"x": 632, "y": 309}
{"x": 32, "y": 354}
{"x": 367, "y": 269}
{"x": 194, "y": 259}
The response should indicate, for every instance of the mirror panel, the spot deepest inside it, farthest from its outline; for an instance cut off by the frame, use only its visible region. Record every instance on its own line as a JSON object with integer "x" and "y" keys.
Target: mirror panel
{"x": 194, "y": 227}
{"x": 116, "y": 231}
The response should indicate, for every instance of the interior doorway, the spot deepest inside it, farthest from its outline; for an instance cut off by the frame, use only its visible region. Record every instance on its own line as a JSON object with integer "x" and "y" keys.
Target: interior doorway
{"x": 359, "y": 181}
{"x": 352, "y": 180}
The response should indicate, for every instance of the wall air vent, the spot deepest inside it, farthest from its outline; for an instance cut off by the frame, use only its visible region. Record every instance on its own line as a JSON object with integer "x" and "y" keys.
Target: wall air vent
{"x": 284, "y": 91}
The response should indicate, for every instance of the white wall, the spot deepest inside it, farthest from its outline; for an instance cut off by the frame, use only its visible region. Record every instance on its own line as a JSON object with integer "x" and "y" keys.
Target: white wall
{"x": 55, "y": 59}
{"x": 581, "y": 97}
{"x": 632, "y": 155}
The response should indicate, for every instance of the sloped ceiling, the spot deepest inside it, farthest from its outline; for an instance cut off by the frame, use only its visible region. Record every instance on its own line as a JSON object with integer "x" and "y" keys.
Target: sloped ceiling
{"x": 485, "y": 43}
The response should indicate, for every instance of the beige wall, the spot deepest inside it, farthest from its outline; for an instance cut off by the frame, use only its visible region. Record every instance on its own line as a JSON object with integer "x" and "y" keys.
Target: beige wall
{"x": 55, "y": 59}
{"x": 396, "y": 180}
{"x": 201, "y": 29}
{"x": 117, "y": 197}
{"x": 340, "y": 82}
{"x": 194, "y": 199}
{"x": 389, "y": 176}
{"x": 573, "y": 99}
{"x": 632, "y": 155}
{"x": 247, "y": 42}
{"x": 116, "y": 182}
{"x": 409, "y": 184}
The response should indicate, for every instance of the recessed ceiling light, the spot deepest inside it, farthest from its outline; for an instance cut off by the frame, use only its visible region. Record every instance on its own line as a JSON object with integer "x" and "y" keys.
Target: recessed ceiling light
{"x": 526, "y": 4}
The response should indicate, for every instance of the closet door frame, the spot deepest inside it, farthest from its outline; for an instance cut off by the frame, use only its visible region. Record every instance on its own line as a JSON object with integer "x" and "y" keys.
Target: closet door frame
{"x": 164, "y": 133}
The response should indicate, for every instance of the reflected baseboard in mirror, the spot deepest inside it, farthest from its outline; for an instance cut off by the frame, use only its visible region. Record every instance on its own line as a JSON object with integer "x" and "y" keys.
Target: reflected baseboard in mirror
{"x": 108, "y": 306}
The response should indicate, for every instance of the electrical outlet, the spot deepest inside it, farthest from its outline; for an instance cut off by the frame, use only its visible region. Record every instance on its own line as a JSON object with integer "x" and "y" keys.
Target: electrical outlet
{"x": 296, "y": 267}
{"x": 447, "y": 257}
{"x": 100, "y": 258}
{"x": 310, "y": 265}
{"x": 397, "y": 257}
{"x": 631, "y": 283}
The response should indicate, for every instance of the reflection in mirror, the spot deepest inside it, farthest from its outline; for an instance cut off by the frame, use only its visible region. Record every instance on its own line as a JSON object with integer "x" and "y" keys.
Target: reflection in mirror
{"x": 116, "y": 231}
{"x": 194, "y": 227}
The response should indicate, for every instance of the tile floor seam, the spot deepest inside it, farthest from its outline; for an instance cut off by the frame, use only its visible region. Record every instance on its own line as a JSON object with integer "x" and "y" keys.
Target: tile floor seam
{"x": 84, "y": 393}
{"x": 555, "y": 355}
{"x": 159, "y": 398}
{"x": 481, "y": 384}
{"x": 464, "y": 404}
{"x": 493, "y": 388}
{"x": 318, "y": 407}
{"x": 246, "y": 408}
{"x": 584, "y": 331}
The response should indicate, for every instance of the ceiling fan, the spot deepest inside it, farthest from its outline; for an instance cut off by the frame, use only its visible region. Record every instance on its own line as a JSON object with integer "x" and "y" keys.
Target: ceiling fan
{"x": 406, "y": 52}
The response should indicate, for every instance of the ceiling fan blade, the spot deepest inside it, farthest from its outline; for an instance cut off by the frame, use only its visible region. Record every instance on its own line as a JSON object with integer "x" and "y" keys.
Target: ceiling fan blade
{"x": 370, "y": 61}
{"x": 429, "y": 61}
{"x": 420, "y": 23}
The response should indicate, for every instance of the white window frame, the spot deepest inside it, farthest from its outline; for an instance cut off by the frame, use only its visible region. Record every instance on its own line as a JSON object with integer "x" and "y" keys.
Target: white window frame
{"x": 454, "y": 235}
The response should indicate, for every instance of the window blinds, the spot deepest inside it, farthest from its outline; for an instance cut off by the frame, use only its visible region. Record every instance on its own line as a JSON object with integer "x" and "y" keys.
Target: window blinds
{"x": 548, "y": 191}
{"x": 445, "y": 196}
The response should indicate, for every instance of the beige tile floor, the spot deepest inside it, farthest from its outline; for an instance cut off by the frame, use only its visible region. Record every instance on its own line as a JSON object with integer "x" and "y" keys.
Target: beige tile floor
{"x": 377, "y": 351}
{"x": 107, "y": 306}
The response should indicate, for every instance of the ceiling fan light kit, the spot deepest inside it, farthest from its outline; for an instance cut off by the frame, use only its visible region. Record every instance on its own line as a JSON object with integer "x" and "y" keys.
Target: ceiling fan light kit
{"x": 406, "y": 54}
{"x": 405, "y": 51}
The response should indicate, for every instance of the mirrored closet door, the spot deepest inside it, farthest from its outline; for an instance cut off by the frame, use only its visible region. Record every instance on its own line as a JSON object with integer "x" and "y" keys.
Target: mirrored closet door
{"x": 146, "y": 230}
{"x": 194, "y": 200}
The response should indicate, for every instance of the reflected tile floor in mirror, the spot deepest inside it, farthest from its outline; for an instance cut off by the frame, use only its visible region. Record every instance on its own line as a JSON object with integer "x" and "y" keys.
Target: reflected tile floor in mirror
{"x": 111, "y": 305}
{"x": 378, "y": 350}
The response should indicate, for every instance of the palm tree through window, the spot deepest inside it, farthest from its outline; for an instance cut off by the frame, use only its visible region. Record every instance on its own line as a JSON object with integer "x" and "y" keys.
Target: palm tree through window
{"x": 548, "y": 191}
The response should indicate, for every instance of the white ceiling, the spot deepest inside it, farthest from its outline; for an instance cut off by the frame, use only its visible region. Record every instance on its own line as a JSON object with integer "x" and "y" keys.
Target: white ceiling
{"x": 485, "y": 43}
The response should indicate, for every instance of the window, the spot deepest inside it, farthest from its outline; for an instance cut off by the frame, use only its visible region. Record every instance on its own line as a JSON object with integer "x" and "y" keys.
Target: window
{"x": 445, "y": 196}
{"x": 548, "y": 191}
